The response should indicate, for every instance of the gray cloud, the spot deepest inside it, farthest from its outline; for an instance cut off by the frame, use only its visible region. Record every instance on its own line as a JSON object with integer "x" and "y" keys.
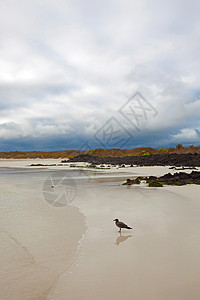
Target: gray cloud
{"x": 68, "y": 66}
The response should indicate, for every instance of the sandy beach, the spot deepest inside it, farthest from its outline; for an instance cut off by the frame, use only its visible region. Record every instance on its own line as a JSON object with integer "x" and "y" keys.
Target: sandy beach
{"x": 76, "y": 252}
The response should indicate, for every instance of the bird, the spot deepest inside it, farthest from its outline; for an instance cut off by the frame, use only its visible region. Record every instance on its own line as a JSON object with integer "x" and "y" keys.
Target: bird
{"x": 121, "y": 225}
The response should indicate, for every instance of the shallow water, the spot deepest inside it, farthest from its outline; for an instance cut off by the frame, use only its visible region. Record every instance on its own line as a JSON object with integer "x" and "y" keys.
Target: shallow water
{"x": 38, "y": 240}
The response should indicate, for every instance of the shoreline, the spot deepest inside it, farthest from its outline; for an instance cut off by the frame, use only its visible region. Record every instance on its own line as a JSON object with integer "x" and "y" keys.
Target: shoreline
{"x": 38, "y": 241}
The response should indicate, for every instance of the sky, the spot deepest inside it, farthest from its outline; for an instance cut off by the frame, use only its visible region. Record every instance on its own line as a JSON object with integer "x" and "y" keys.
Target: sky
{"x": 91, "y": 74}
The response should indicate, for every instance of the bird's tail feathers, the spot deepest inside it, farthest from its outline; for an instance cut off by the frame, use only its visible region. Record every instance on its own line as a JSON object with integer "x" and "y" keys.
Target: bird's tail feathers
{"x": 129, "y": 227}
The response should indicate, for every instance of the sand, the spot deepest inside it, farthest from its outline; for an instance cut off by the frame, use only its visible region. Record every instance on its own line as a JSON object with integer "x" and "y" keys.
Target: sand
{"x": 158, "y": 259}
{"x": 50, "y": 253}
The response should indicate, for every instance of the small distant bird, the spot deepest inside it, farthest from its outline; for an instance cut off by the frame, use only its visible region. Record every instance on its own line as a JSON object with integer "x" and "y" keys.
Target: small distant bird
{"x": 121, "y": 225}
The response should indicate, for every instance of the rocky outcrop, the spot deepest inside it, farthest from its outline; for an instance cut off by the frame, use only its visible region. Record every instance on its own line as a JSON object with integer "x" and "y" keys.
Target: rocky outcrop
{"x": 180, "y": 178}
{"x": 177, "y": 160}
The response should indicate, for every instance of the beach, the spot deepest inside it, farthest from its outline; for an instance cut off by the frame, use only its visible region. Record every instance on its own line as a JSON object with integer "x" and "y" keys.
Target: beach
{"x": 74, "y": 251}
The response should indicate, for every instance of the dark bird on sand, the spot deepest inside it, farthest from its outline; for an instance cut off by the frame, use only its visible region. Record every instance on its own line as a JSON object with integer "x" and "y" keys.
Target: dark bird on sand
{"x": 121, "y": 225}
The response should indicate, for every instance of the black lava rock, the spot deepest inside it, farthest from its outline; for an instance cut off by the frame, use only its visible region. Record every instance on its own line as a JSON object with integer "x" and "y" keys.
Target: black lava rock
{"x": 177, "y": 160}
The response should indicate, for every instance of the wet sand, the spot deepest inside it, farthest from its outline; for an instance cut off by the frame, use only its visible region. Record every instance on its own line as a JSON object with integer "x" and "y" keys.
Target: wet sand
{"x": 158, "y": 259}
{"x": 38, "y": 241}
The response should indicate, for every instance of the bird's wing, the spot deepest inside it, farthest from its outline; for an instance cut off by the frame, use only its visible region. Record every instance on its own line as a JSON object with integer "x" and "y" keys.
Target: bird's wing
{"x": 122, "y": 225}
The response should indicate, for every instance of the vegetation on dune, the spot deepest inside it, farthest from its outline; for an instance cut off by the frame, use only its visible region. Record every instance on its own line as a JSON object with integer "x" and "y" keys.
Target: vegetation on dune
{"x": 39, "y": 154}
{"x": 142, "y": 151}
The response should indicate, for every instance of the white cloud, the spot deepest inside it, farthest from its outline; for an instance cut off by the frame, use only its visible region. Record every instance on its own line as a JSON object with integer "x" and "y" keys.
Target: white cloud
{"x": 186, "y": 135}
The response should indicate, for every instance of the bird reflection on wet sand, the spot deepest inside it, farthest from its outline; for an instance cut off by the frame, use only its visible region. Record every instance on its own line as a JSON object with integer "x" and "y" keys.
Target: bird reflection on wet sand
{"x": 121, "y": 238}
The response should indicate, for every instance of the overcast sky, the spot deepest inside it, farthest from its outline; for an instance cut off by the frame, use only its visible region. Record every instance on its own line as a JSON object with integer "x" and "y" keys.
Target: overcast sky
{"x": 68, "y": 70}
